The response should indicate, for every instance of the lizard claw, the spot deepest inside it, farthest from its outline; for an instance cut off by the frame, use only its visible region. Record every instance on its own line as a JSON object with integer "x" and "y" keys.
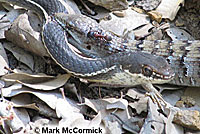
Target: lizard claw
{"x": 157, "y": 98}
{"x": 154, "y": 95}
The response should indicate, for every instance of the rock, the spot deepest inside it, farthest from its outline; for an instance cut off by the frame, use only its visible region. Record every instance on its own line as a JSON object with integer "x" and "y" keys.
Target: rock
{"x": 188, "y": 118}
{"x": 111, "y": 5}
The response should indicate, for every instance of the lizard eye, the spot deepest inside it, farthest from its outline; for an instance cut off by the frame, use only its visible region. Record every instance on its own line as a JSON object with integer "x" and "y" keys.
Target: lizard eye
{"x": 91, "y": 34}
{"x": 147, "y": 71}
{"x": 108, "y": 38}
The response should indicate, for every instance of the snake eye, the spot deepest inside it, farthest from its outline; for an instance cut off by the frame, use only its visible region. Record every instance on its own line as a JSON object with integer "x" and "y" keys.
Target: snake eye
{"x": 147, "y": 71}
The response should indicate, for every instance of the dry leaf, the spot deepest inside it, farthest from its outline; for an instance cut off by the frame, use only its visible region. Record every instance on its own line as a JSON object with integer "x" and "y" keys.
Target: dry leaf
{"x": 169, "y": 8}
{"x": 178, "y": 34}
{"x": 130, "y": 21}
{"x": 25, "y": 32}
{"x": 21, "y": 55}
{"x": 143, "y": 30}
{"x": 116, "y": 104}
{"x": 106, "y": 106}
{"x": 154, "y": 123}
{"x": 171, "y": 127}
{"x": 10, "y": 117}
{"x": 6, "y": 19}
{"x": 112, "y": 127}
{"x": 111, "y": 4}
{"x": 3, "y": 61}
{"x": 156, "y": 16}
{"x": 23, "y": 101}
{"x": 49, "y": 97}
{"x": 23, "y": 115}
{"x": 41, "y": 82}
{"x": 67, "y": 112}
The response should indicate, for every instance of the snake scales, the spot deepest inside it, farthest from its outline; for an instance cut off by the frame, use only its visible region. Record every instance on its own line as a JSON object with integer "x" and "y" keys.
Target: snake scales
{"x": 124, "y": 68}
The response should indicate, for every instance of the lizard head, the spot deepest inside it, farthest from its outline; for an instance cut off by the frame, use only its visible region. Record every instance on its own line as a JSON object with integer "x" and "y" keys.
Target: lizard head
{"x": 85, "y": 30}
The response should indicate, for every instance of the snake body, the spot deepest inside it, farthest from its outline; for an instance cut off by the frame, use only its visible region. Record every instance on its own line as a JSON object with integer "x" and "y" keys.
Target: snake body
{"x": 126, "y": 68}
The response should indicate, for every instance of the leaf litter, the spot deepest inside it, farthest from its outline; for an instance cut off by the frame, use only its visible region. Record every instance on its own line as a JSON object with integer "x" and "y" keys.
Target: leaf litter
{"x": 35, "y": 99}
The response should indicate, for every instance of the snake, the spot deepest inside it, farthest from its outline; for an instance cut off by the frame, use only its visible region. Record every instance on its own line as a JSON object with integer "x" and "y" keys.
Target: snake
{"x": 123, "y": 68}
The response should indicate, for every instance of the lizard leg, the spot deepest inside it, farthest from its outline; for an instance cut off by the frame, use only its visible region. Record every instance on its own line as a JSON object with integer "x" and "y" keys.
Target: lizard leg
{"x": 154, "y": 94}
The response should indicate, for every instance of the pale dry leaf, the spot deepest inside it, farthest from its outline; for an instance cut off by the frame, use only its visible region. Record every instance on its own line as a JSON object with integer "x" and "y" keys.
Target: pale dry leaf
{"x": 178, "y": 34}
{"x": 6, "y": 6}
{"x": 4, "y": 24}
{"x": 133, "y": 124}
{"x": 37, "y": 122}
{"x": 43, "y": 108}
{"x": 139, "y": 106}
{"x": 112, "y": 127}
{"x": 40, "y": 121}
{"x": 119, "y": 104}
{"x": 172, "y": 96}
{"x": 67, "y": 112}
{"x": 155, "y": 16}
{"x": 40, "y": 82}
{"x": 29, "y": 106}
{"x": 79, "y": 122}
{"x": 23, "y": 101}
{"x": 101, "y": 13}
{"x": 21, "y": 55}
{"x": 169, "y": 8}
{"x": 3, "y": 28}
{"x": 8, "y": 91}
{"x": 23, "y": 77}
{"x": 90, "y": 104}
{"x": 97, "y": 105}
{"x": 59, "y": 81}
{"x": 154, "y": 122}
{"x": 12, "y": 15}
{"x": 135, "y": 95}
{"x": 50, "y": 97}
{"x": 25, "y": 32}
{"x": 23, "y": 115}
{"x": 130, "y": 21}
{"x": 7, "y": 111}
{"x": 171, "y": 127}
{"x": 3, "y": 61}
{"x": 111, "y": 4}
{"x": 73, "y": 7}
{"x": 105, "y": 107}
{"x": 6, "y": 19}
{"x": 2, "y": 13}
{"x": 95, "y": 123}
{"x": 144, "y": 30}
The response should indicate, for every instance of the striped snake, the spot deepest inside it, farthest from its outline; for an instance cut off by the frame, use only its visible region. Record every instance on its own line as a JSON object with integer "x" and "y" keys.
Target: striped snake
{"x": 126, "y": 68}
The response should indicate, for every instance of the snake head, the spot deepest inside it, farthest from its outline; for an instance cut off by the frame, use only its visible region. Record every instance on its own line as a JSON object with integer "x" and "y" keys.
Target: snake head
{"x": 148, "y": 67}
